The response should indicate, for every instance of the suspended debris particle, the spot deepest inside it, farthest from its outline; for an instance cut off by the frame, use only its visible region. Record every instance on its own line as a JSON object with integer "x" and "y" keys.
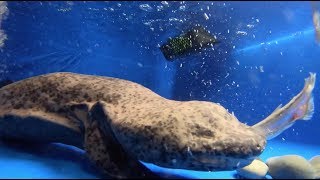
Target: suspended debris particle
{"x": 206, "y": 17}
{"x": 242, "y": 33}
{"x": 182, "y": 8}
{"x": 159, "y": 8}
{"x": 261, "y": 68}
{"x": 146, "y": 7}
{"x": 250, "y": 25}
{"x": 165, "y": 3}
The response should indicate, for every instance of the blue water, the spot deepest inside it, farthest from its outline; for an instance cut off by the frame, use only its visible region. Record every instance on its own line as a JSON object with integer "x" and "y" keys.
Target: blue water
{"x": 267, "y": 50}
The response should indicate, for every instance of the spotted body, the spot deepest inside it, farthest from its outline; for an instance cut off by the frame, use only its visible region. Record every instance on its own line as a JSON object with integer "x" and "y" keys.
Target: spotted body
{"x": 120, "y": 123}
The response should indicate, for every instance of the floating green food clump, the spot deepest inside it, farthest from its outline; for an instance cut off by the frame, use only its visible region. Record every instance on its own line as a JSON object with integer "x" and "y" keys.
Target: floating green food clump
{"x": 180, "y": 44}
{"x": 193, "y": 40}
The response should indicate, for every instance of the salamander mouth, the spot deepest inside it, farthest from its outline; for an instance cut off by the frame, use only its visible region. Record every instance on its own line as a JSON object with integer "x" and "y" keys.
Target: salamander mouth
{"x": 221, "y": 163}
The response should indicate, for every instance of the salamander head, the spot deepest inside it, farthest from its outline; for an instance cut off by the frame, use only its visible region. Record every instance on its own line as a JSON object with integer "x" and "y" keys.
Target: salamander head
{"x": 194, "y": 135}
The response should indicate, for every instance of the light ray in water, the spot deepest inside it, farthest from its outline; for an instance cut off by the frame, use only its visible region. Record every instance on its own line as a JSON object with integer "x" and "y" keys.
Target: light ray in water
{"x": 276, "y": 41}
{"x": 46, "y": 63}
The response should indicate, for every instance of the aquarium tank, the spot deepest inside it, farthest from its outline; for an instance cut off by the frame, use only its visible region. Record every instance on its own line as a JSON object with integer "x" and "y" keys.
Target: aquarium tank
{"x": 159, "y": 89}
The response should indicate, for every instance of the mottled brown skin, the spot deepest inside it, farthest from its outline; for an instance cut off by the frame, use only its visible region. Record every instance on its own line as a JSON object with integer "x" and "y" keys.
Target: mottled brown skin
{"x": 194, "y": 135}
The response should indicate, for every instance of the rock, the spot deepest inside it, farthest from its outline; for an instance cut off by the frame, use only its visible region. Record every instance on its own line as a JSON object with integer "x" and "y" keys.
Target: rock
{"x": 290, "y": 167}
{"x": 256, "y": 170}
{"x": 315, "y": 162}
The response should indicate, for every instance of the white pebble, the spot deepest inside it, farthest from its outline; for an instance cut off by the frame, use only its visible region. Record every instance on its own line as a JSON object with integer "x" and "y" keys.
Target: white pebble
{"x": 256, "y": 170}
